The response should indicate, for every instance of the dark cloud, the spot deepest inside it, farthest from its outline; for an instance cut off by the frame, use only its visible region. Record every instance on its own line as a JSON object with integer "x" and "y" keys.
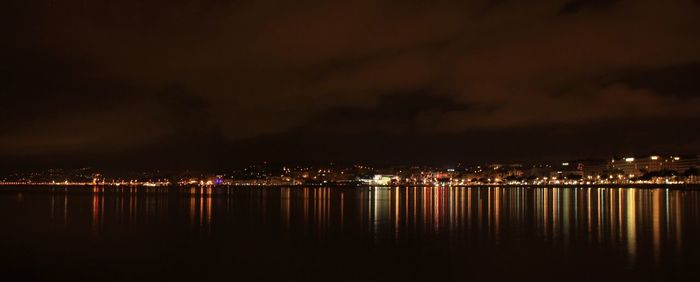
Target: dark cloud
{"x": 581, "y": 5}
{"x": 107, "y": 78}
{"x": 393, "y": 113}
{"x": 680, "y": 81}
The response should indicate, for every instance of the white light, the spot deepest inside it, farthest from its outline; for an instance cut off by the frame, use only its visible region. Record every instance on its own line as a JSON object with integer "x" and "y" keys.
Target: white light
{"x": 654, "y": 157}
{"x": 629, "y": 159}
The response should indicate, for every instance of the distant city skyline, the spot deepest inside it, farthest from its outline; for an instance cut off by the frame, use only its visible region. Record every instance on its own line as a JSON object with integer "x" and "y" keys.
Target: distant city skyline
{"x": 637, "y": 169}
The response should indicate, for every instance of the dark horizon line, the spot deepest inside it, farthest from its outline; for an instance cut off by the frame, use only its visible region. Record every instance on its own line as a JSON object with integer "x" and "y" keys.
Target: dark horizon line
{"x": 343, "y": 163}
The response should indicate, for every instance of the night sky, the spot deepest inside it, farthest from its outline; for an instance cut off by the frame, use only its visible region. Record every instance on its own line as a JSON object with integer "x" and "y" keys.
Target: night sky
{"x": 180, "y": 84}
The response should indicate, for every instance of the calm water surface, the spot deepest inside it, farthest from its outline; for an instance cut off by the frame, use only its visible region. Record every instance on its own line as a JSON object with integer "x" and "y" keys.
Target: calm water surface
{"x": 348, "y": 234}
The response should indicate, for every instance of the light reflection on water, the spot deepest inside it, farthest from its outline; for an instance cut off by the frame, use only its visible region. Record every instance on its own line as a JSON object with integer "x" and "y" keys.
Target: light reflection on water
{"x": 652, "y": 225}
{"x": 594, "y": 215}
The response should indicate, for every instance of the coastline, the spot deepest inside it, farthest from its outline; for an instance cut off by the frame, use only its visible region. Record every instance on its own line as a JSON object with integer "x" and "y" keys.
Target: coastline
{"x": 685, "y": 186}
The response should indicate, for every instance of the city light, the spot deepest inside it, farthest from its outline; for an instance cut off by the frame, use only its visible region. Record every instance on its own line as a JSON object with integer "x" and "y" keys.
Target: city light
{"x": 655, "y": 169}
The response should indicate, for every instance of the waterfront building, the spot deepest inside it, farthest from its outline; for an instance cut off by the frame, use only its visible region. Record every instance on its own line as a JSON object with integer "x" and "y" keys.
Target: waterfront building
{"x": 639, "y": 165}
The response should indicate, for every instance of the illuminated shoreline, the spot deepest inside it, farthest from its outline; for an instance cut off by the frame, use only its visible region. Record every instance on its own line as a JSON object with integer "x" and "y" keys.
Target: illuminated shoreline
{"x": 168, "y": 185}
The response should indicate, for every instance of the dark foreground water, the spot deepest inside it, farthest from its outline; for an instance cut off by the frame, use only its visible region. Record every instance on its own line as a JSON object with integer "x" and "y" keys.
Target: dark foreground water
{"x": 348, "y": 234}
